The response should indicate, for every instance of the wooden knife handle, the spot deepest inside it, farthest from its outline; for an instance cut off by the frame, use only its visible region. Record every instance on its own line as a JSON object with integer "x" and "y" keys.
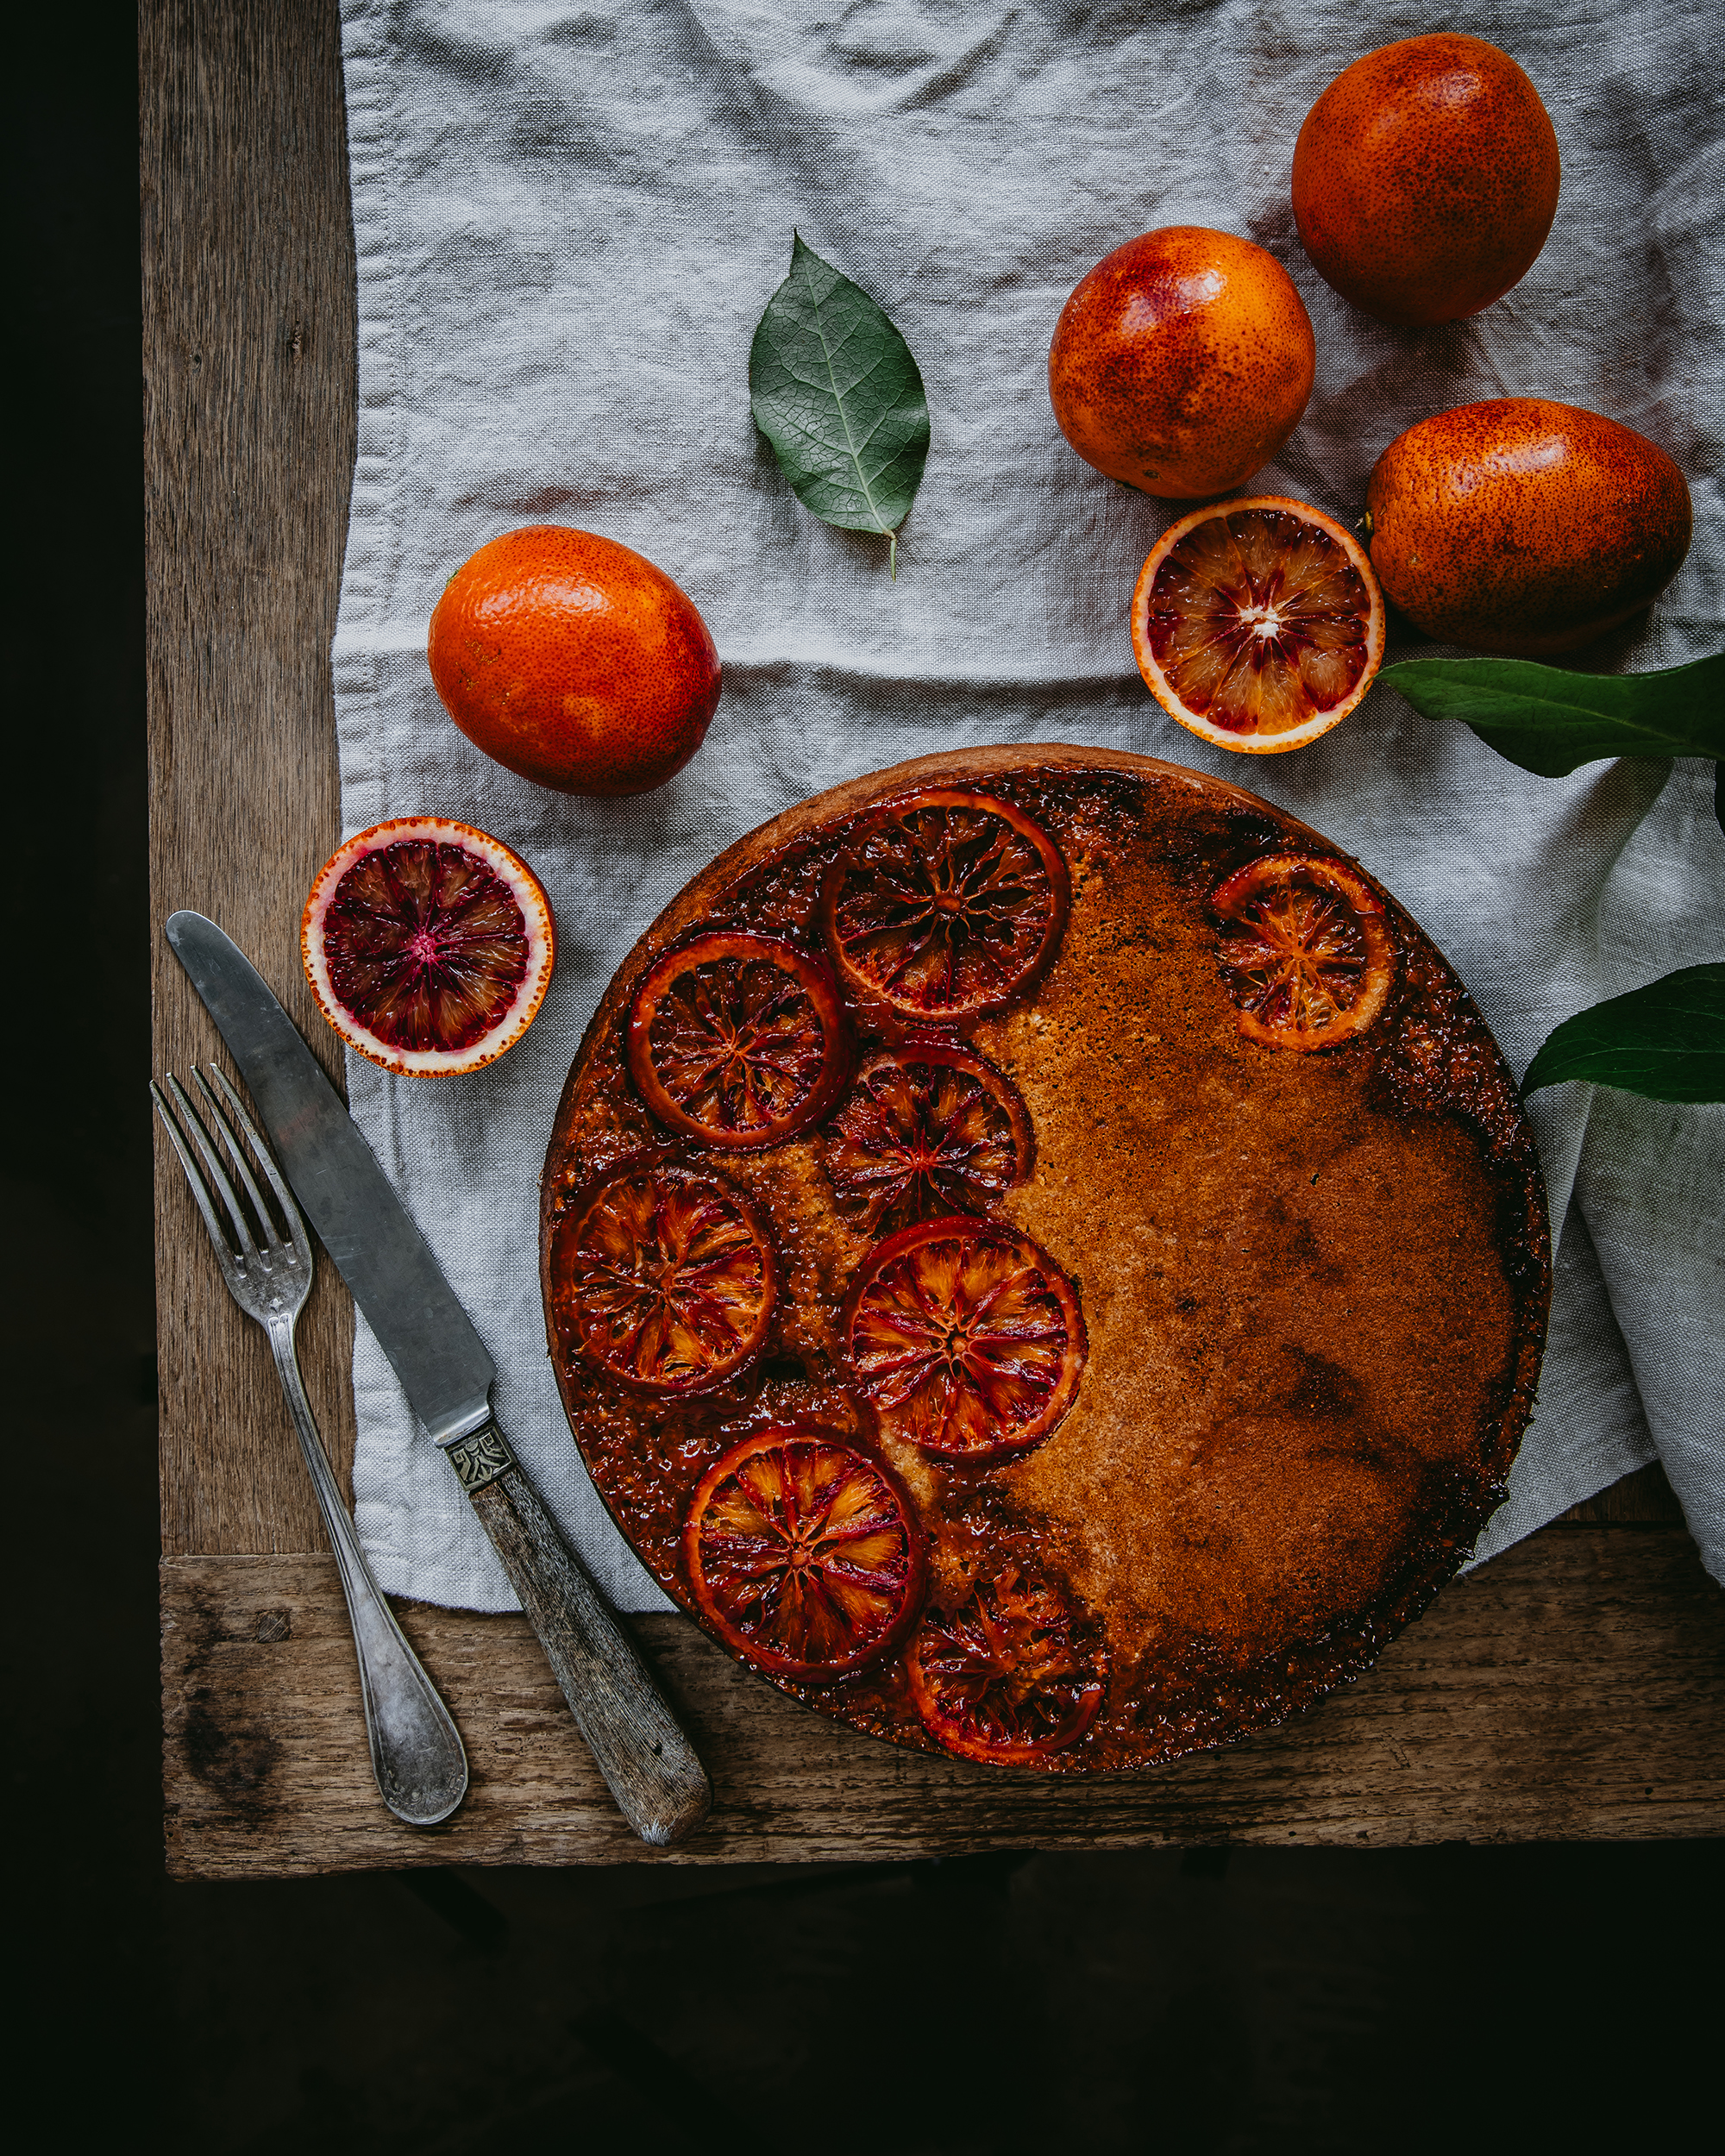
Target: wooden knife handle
{"x": 660, "y": 1785}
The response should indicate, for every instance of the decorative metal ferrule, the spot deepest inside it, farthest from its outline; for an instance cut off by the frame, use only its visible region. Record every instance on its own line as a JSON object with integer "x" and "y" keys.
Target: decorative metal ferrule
{"x": 481, "y": 1456}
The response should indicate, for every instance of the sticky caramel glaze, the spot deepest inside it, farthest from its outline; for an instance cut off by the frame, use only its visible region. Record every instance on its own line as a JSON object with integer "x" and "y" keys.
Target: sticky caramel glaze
{"x": 1314, "y": 1285}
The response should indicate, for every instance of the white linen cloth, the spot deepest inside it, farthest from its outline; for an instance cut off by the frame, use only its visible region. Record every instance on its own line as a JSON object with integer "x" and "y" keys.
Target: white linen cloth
{"x": 569, "y": 218}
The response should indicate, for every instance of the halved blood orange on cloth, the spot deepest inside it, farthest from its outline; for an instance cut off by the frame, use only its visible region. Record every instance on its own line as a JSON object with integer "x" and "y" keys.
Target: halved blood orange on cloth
{"x": 739, "y": 1039}
{"x": 803, "y": 1553}
{"x": 945, "y": 906}
{"x": 1258, "y": 625}
{"x": 663, "y": 1277}
{"x": 925, "y": 1130}
{"x": 1305, "y": 949}
{"x": 965, "y": 1338}
{"x": 1006, "y": 1677}
{"x": 429, "y": 945}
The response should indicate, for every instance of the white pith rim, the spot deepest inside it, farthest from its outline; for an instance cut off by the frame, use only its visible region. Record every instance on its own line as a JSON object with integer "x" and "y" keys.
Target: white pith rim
{"x": 1164, "y": 691}
{"x": 536, "y": 911}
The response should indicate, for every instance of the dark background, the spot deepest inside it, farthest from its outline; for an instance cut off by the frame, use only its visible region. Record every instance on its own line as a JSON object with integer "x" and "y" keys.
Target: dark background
{"x": 1235, "y": 2002}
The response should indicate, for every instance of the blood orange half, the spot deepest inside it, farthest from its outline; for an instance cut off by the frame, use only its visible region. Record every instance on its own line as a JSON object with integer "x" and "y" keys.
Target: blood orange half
{"x": 1305, "y": 949}
{"x": 1257, "y": 625}
{"x": 965, "y": 1338}
{"x": 803, "y": 1554}
{"x": 925, "y": 1130}
{"x": 945, "y": 906}
{"x": 1006, "y": 1677}
{"x": 663, "y": 1278}
{"x": 429, "y": 945}
{"x": 738, "y": 1040}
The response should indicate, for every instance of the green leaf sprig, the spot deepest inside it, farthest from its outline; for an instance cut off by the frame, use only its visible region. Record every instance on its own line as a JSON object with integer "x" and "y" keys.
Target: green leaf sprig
{"x": 1551, "y": 721}
{"x": 836, "y": 391}
{"x": 1665, "y": 1041}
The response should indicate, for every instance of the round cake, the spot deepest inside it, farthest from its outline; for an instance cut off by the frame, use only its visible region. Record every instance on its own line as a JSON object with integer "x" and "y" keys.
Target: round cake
{"x": 1043, "y": 1258}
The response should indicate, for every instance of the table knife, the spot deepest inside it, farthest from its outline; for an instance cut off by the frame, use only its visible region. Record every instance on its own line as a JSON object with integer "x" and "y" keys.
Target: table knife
{"x": 647, "y": 1762}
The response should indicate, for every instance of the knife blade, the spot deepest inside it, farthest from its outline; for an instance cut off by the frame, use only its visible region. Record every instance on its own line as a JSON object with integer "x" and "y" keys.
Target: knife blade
{"x": 447, "y": 1373}
{"x": 373, "y": 1245}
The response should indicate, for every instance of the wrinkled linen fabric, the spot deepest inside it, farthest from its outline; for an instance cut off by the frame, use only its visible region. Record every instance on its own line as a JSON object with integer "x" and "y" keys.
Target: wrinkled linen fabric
{"x": 569, "y": 218}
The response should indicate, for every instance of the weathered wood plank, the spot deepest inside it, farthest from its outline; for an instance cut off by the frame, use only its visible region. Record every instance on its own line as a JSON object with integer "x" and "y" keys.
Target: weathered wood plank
{"x": 1568, "y": 1690}
{"x": 1646, "y": 1495}
{"x": 250, "y": 424}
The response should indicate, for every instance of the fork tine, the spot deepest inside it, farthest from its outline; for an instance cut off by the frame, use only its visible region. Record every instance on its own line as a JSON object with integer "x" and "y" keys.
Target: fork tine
{"x": 194, "y": 1175}
{"x": 266, "y": 1159}
{"x": 267, "y": 1235}
{"x": 212, "y": 1160}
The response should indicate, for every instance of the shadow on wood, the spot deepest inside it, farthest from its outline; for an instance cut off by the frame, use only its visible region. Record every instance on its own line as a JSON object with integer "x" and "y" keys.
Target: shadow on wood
{"x": 1568, "y": 1690}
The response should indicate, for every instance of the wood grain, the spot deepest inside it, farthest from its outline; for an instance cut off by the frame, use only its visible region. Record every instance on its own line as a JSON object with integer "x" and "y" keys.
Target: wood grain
{"x": 1644, "y": 1495}
{"x": 1568, "y": 1690}
{"x": 250, "y": 405}
{"x": 642, "y": 1753}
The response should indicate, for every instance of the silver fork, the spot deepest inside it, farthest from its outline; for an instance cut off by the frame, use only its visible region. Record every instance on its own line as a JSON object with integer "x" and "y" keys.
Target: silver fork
{"x": 416, "y": 1754}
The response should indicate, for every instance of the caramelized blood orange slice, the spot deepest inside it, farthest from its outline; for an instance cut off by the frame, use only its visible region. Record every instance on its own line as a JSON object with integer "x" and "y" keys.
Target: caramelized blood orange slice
{"x": 945, "y": 906}
{"x": 663, "y": 1278}
{"x": 804, "y": 1554}
{"x": 1005, "y": 1678}
{"x": 1305, "y": 949}
{"x": 925, "y": 1130}
{"x": 1257, "y": 625}
{"x": 738, "y": 1040}
{"x": 965, "y": 1338}
{"x": 427, "y": 944}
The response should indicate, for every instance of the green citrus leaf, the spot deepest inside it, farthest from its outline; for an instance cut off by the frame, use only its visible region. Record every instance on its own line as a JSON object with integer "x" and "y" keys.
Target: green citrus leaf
{"x": 836, "y": 391}
{"x": 1665, "y": 1041}
{"x": 1551, "y": 721}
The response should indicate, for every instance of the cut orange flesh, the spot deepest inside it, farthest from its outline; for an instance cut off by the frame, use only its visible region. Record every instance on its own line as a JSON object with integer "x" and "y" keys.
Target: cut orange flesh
{"x": 803, "y": 1555}
{"x": 427, "y": 944}
{"x": 738, "y": 1040}
{"x": 966, "y": 1339}
{"x": 945, "y": 906}
{"x": 1258, "y": 625}
{"x": 925, "y": 1130}
{"x": 664, "y": 1279}
{"x": 1003, "y": 1678}
{"x": 1304, "y": 950}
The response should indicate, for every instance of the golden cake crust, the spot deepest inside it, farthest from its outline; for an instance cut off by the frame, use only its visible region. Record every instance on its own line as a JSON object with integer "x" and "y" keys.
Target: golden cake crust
{"x": 1314, "y": 1285}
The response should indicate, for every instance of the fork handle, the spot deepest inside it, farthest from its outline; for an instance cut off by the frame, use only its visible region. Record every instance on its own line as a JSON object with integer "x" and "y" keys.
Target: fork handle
{"x": 417, "y": 1752}
{"x": 649, "y": 1765}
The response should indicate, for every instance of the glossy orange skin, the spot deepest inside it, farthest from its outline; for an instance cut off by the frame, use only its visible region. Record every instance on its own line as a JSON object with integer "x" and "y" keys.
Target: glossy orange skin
{"x": 1426, "y": 180}
{"x": 1525, "y": 527}
{"x": 575, "y": 662}
{"x": 1182, "y": 362}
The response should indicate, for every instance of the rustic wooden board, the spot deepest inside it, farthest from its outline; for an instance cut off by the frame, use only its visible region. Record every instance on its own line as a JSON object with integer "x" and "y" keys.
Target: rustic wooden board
{"x": 1572, "y": 1688}
{"x": 251, "y": 417}
{"x": 1568, "y": 1690}
{"x": 1646, "y": 1495}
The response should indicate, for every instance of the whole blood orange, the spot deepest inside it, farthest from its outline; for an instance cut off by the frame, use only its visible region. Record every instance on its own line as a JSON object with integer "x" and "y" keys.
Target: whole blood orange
{"x": 1257, "y": 625}
{"x": 1525, "y": 527}
{"x": 1182, "y": 362}
{"x": 1426, "y": 180}
{"x": 429, "y": 945}
{"x": 575, "y": 662}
